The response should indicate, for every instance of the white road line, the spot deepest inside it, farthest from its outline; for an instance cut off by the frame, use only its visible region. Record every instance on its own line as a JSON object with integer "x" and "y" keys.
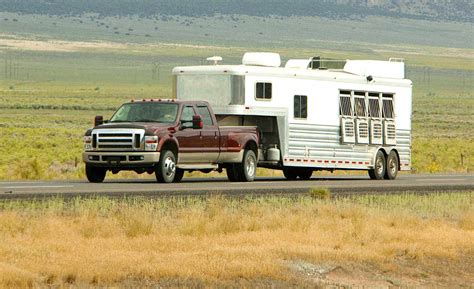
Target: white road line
{"x": 34, "y": 187}
{"x": 11, "y": 183}
{"x": 438, "y": 180}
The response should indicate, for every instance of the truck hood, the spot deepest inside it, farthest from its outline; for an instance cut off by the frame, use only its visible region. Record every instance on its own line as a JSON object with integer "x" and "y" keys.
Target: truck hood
{"x": 150, "y": 128}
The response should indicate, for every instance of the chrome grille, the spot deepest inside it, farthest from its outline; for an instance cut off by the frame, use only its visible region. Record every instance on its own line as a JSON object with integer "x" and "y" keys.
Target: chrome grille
{"x": 118, "y": 139}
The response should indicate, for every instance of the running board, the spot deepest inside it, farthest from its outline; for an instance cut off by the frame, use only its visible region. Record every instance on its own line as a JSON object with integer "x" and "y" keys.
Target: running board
{"x": 198, "y": 167}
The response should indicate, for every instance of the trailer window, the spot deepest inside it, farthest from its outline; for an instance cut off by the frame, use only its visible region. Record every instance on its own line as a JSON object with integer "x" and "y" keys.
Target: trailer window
{"x": 387, "y": 107}
{"x": 300, "y": 107}
{"x": 374, "y": 107}
{"x": 205, "y": 114}
{"x": 345, "y": 106}
{"x": 359, "y": 104}
{"x": 263, "y": 90}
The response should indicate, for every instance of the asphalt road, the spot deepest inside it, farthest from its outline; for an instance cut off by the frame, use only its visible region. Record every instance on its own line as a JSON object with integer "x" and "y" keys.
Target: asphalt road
{"x": 338, "y": 185}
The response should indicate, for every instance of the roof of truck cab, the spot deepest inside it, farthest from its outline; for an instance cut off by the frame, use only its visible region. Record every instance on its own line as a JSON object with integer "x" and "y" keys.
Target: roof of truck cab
{"x": 163, "y": 100}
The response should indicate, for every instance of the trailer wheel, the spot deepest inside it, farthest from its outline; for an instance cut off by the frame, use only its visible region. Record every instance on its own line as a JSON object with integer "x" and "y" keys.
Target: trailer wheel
{"x": 305, "y": 174}
{"x": 166, "y": 169}
{"x": 378, "y": 172}
{"x": 232, "y": 173}
{"x": 95, "y": 174}
{"x": 247, "y": 170}
{"x": 290, "y": 173}
{"x": 391, "y": 170}
{"x": 178, "y": 176}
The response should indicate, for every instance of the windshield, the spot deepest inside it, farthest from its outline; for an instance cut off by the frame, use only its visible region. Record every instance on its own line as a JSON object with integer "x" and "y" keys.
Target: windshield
{"x": 146, "y": 112}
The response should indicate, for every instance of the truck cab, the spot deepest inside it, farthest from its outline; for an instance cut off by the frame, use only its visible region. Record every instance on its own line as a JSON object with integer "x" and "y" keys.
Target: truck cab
{"x": 169, "y": 137}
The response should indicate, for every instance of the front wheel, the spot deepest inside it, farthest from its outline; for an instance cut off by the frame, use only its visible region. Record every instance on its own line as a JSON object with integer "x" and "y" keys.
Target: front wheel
{"x": 166, "y": 169}
{"x": 95, "y": 174}
{"x": 179, "y": 175}
{"x": 391, "y": 170}
{"x": 247, "y": 170}
{"x": 378, "y": 172}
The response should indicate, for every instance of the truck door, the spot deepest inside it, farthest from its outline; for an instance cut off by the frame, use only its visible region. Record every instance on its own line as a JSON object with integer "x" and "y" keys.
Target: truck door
{"x": 209, "y": 137}
{"x": 188, "y": 138}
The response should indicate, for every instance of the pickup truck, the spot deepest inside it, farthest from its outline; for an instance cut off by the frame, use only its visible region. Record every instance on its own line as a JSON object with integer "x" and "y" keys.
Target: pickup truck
{"x": 169, "y": 137}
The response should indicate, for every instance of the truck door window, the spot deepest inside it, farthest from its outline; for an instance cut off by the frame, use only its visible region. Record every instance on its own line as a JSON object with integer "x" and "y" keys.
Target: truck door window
{"x": 188, "y": 113}
{"x": 300, "y": 106}
{"x": 206, "y": 115}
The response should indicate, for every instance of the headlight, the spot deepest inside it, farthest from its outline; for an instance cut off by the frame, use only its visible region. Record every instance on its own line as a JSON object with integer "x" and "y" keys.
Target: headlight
{"x": 87, "y": 143}
{"x": 151, "y": 143}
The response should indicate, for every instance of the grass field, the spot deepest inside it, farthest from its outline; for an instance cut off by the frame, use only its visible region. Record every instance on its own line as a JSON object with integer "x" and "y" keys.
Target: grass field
{"x": 54, "y": 81}
{"x": 403, "y": 240}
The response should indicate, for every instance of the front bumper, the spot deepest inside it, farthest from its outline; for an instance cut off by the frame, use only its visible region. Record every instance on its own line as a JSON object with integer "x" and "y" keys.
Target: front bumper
{"x": 115, "y": 159}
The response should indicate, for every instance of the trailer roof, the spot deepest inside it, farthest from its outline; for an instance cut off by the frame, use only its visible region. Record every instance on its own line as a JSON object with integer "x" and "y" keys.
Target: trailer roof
{"x": 280, "y": 71}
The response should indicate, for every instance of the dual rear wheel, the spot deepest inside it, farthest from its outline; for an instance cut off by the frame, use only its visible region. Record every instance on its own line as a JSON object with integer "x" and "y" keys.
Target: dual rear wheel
{"x": 385, "y": 167}
{"x": 244, "y": 171}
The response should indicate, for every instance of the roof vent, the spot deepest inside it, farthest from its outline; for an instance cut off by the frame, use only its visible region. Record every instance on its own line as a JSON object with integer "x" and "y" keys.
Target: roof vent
{"x": 215, "y": 59}
{"x": 262, "y": 59}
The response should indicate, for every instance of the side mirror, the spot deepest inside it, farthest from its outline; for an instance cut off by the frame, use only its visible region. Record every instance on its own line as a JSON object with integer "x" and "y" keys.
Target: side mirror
{"x": 197, "y": 122}
{"x": 98, "y": 120}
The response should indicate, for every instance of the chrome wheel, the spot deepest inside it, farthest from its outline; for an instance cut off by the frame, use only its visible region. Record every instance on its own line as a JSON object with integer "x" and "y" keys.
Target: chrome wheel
{"x": 379, "y": 166}
{"x": 245, "y": 171}
{"x": 169, "y": 167}
{"x": 378, "y": 172}
{"x": 392, "y": 166}
{"x": 250, "y": 165}
{"x": 166, "y": 168}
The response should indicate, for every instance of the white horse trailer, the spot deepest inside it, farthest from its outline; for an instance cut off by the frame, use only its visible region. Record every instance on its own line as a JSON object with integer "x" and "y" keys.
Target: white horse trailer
{"x": 311, "y": 117}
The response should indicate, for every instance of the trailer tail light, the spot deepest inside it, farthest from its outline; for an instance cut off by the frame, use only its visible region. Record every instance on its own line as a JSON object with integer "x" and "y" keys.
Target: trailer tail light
{"x": 151, "y": 143}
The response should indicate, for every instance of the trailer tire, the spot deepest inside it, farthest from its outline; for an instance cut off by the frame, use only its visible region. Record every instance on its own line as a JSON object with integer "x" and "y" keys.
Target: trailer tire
{"x": 166, "y": 169}
{"x": 391, "y": 169}
{"x": 378, "y": 172}
{"x": 247, "y": 170}
{"x": 290, "y": 173}
{"x": 305, "y": 174}
{"x": 178, "y": 176}
{"x": 95, "y": 174}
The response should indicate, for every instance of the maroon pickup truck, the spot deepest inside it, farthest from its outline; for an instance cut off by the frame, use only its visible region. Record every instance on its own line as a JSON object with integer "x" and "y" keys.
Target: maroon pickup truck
{"x": 169, "y": 137}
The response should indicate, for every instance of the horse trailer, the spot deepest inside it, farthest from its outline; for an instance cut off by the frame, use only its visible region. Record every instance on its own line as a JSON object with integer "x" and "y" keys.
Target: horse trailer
{"x": 312, "y": 117}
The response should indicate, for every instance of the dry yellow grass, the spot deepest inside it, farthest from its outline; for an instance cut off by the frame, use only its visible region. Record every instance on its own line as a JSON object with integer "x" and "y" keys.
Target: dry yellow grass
{"x": 113, "y": 242}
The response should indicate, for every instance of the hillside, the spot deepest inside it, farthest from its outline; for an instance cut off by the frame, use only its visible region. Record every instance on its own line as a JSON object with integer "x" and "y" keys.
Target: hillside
{"x": 459, "y": 10}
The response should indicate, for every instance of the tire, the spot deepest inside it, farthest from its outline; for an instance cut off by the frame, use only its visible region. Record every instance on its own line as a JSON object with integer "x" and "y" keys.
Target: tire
{"x": 305, "y": 174}
{"x": 378, "y": 172}
{"x": 391, "y": 169}
{"x": 178, "y": 176}
{"x": 247, "y": 170}
{"x": 290, "y": 173}
{"x": 232, "y": 174}
{"x": 166, "y": 169}
{"x": 95, "y": 174}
